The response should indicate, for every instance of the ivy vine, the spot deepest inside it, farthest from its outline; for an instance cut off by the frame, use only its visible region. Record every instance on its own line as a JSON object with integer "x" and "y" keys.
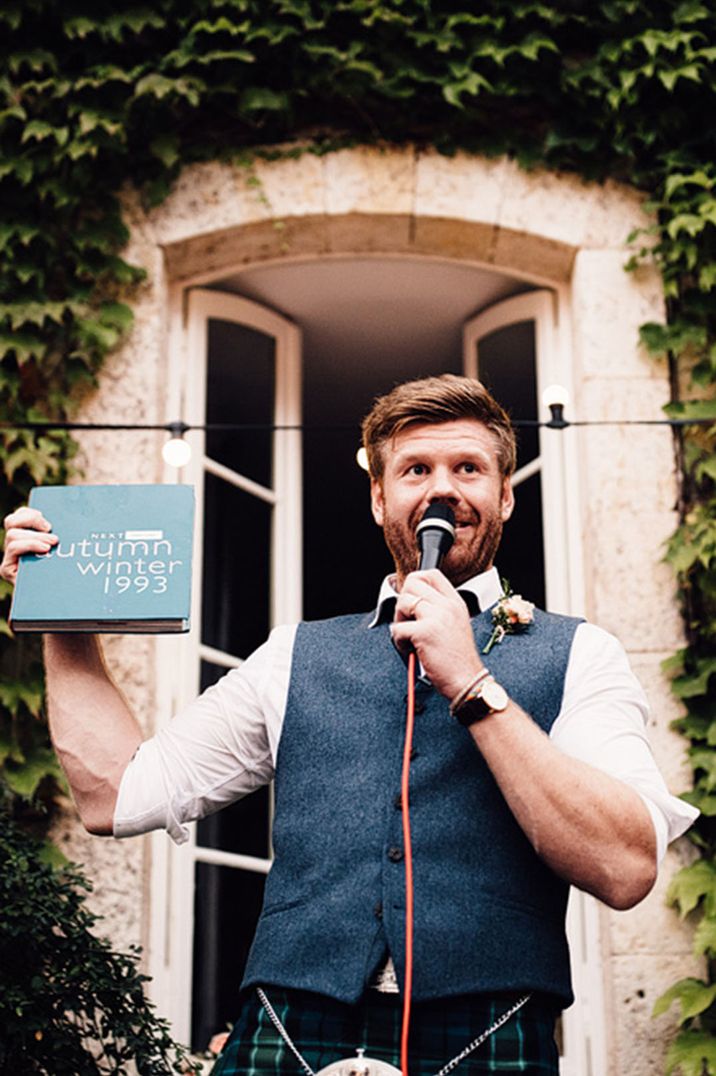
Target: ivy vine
{"x": 93, "y": 98}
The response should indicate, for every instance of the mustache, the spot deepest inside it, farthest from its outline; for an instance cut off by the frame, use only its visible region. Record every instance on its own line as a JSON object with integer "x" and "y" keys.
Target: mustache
{"x": 461, "y": 519}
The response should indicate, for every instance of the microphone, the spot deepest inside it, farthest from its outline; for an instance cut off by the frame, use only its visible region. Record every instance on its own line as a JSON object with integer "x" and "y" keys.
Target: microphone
{"x": 435, "y": 533}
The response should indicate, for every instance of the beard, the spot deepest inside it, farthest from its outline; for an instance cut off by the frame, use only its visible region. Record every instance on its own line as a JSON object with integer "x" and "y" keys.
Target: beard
{"x": 471, "y": 553}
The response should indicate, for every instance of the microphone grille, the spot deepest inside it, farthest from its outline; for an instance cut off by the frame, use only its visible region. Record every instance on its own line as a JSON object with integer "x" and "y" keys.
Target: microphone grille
{"x": 442, "y": 512}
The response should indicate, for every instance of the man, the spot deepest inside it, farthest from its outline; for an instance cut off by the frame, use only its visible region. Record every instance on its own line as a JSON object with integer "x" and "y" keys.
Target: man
{"x": 530, "y": 772}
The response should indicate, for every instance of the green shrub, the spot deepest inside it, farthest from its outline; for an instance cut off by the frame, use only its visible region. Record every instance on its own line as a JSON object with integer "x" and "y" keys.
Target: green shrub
{"x": 69, "y": 1004}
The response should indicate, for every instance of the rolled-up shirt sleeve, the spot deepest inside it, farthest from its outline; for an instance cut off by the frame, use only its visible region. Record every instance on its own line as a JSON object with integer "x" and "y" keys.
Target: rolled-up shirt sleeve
{"x": 218, "y": 749}
{"x": 603, "y": 722}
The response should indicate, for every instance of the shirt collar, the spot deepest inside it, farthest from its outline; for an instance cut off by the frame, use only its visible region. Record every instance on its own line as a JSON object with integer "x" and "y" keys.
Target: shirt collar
{"x": 485, "y": 589}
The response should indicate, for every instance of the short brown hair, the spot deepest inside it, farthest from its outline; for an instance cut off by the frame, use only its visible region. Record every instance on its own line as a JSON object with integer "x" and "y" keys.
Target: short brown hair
{"x": 436, "y": 399}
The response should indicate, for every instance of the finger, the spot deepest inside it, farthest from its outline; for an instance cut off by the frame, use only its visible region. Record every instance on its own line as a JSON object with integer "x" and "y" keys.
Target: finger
{"x": 19, "y": 542}
{"x": 27, "y": 518}
{"x": 401, "y": 634}
{"x": 433, "y": 579}
{"x": 411, "y": 599}
{"x": 23, "y": 541}
{"x": 425, "y": 592}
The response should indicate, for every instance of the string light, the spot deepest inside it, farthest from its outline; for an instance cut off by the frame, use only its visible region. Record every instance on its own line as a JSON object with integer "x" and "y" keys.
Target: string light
{"x": 556, "y": 398}
{"x": 176, "y": 451}
{"x": 264, "y": 427}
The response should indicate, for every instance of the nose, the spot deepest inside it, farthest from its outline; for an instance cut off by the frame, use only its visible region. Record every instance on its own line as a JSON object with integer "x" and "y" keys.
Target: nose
{"x": 443, "y": 488}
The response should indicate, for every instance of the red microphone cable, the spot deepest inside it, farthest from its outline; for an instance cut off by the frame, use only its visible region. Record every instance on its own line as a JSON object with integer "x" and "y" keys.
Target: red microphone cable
{"x": 408, "y": 859}
{"x": 435, "y": 534}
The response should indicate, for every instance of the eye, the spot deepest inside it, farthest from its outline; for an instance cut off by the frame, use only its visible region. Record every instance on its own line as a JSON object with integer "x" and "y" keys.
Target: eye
{"x": 418, "y": 469}
{"x": 469, "y": 468}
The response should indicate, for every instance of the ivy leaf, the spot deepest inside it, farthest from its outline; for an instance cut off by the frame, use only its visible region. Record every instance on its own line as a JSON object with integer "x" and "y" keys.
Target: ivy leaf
{"x": 256, "y": 98}
{"x": 160, "y": 87}
{"x": 38, "y": 130}
{"x": 9, "y": 747}
{"x": 691, "y": 685}
{"x": 133, "y": 19}
{"x": 691, "y": 223}
{"x": 117, "y": 316}
{"x": 166, "y": 149}
{"x": 694, "y": 997}
{"x": 703, "y": 761}
{"x": 90, "y": 120}
{"x": 80, "y": 27}
{"x": 705, "y": 937}
{"x": 679, "y": 179}
{"x": 691, "y": 885}
{"x": 94, "y": 334}
{"x": 36, "y": 60}
{"x": 24, "y": 346}
{"x": 534, "y": 44}
{"x": 676, "y": 337}
{"x": 25, "y": 780}
{"x": 707, "y": 276}
{"x": 221, "y": 55}
{"x": 669, "y": 79}
{"x": 471, "y": 84}
{"x": 693, "y": 1053}
{"x": 221, "y": 25}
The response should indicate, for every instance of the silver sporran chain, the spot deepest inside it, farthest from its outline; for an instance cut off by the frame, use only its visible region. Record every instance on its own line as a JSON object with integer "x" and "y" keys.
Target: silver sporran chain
{"x": 370, "y": 1066}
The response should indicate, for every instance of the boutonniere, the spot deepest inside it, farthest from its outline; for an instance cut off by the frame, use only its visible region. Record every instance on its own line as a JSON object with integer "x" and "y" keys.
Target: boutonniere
{"x": 511, "y": 615}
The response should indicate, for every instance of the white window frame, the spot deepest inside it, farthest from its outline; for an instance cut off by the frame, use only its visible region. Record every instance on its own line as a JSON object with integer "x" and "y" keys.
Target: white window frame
{"x": 584, "y": 1024}
{"x": 172, "y": 868}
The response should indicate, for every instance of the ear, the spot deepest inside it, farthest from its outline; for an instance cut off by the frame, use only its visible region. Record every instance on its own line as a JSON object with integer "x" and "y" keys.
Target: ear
{"x": 377, "y": 501}
{"x": 508, "y": 500}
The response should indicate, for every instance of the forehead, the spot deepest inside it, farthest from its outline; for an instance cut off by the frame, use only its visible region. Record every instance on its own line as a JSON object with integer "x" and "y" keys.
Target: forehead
{"x": 457, "y": 437}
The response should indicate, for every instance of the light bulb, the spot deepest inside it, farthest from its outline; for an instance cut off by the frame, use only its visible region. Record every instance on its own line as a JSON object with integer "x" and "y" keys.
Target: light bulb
{"x": 176, "y": 452}
{"x": 362, "y": 458}
{"x": 555, "y": 395}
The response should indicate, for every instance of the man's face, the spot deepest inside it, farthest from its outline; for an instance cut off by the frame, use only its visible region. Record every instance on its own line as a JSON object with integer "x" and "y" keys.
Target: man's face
{"x": 451, "y": 463}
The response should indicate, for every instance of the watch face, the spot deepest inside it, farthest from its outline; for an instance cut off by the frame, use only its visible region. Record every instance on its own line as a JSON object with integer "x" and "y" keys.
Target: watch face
{"x": 491, "y": 697}
{"x": 494, "y": 695}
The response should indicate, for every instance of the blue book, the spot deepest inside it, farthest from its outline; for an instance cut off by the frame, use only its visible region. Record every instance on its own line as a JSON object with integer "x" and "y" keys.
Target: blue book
{"x": 122, "y": 564}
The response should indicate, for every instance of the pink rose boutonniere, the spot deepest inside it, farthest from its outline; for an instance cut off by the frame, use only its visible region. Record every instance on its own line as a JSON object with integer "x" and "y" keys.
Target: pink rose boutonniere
{"x": 511, "y": 615}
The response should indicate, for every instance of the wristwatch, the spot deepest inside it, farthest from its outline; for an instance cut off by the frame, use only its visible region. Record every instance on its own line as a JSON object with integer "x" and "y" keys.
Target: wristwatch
{"x": 488, "y": 697}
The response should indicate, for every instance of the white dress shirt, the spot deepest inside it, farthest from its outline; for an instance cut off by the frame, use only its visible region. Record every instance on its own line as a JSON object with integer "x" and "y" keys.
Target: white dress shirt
{"x": 224, "y": 744}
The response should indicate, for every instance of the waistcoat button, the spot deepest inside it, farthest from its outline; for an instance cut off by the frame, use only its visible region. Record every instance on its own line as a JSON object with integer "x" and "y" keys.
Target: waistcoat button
{"x": 378, "y": 910}
{"x": 395, "y": 854}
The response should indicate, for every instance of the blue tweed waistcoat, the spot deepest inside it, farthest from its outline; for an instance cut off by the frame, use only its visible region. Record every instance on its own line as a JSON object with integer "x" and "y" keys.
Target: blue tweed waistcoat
{"x": 489, "y": 915}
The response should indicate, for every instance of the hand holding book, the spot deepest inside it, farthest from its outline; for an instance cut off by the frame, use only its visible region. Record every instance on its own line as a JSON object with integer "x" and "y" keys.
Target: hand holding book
{"x": 118, "y": 560}
{"x": 26, "y": 531}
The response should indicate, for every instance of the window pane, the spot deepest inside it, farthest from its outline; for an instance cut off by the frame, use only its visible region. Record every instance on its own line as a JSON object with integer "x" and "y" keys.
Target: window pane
{"x": 226, "y": 909}
{"x": 507, "y": 367}
{"x": 209, "y": 674}
{"x": 520, "y": 558}
{"x": 240, "y": 388}
{"x": 237, "y": 533}
{"x": 243, "y": 827}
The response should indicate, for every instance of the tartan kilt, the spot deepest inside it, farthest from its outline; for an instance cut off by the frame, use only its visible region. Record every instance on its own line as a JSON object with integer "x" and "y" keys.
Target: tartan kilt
{"x": 325, "y": 1031}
